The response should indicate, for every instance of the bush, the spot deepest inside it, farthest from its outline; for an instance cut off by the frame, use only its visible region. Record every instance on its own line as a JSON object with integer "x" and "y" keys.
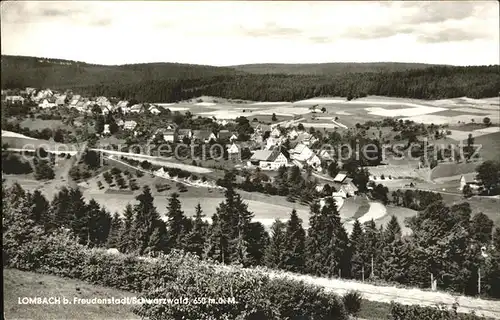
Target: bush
{"x": 177, "y": 274}
{"x": 352, "y": 302}
{"x": 404, "y": 312}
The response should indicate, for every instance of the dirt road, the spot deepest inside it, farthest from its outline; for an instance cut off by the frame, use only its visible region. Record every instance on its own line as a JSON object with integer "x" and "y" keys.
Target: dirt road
{"x": 481, "y": 307}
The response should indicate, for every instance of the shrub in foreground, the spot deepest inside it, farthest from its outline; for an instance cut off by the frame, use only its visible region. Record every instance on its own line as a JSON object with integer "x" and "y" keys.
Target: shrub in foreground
{"x": 178, "y": 274}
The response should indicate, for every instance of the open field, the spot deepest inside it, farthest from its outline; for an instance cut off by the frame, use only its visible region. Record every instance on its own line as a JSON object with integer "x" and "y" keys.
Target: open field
{"x": 450, "y": 169}
{"x": 39, "y": 124}
{"x": 17, "y": 284}
{"x": 461, "y": 135}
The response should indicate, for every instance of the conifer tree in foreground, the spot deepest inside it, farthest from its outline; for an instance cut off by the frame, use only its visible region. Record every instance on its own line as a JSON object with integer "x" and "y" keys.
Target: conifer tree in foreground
{"x": 230, "y": 230}
{"x": 356, "y": 246}
{"x": 78, "y": 209}
{"x": 295, "y": 238}
{"x": 115, "y": 231}
{"x": 127, "y": 241}
{"x": 177, "y": 223}
{"x": 327, "y": 241}
{"x": 39, "y": 208}
{"x": 195, "y": 239}
{"x": 145, "y": 220}
{"x": 392, "y": 231}
{"x": 274, "y": 256}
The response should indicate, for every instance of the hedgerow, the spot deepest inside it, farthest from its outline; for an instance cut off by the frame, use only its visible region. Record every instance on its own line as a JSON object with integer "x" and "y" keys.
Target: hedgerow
{"x": 175, "y": 275}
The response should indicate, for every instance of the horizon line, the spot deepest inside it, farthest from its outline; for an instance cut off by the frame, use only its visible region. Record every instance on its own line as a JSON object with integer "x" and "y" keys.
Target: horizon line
{"x": 250, "y": 64}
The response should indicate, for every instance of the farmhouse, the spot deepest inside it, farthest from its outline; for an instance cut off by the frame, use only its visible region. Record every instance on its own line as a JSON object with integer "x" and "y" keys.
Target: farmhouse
{"x": 106, "y": 129}
{"x": 344, "y": 186}
{"x": 184, "y": 133}
{"x": 225, "y": 135}
{"x": 14, "y": 99}
{"x": 293, "y": 134}
{"x": 61, "y": 100}
{"x": 129, "y": 125}
{"x": 154, "y": 111}
{"x": 233, "y": 152}
{"x": 469, "y": 179}
{"x": 268, "y": 159}
{"x": 74, "y": 100}
{"x": 46, "y": 104}
{"x": 203, "y": 135}
{"x": 275, "y": 133}
{"x": 169, "y": 133}
{"x": 136, "y": 108}
{"x": 302, "y": 154}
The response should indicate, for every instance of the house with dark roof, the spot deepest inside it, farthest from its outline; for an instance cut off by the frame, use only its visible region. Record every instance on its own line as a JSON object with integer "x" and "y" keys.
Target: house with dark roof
{"x": 268, "y": 159}
{"x": 225, "y": 134}
{"x": 344, "y": 186}
{"x": 184, "y": 133}
{"x": 203, "y": 136}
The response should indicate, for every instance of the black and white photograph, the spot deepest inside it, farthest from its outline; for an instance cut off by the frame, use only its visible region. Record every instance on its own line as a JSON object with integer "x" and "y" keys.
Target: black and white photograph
{"x": 250, "y": 160}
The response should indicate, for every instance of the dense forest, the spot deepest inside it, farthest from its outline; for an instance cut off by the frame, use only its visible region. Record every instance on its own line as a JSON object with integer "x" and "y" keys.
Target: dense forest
{"x": 167, "y": 82}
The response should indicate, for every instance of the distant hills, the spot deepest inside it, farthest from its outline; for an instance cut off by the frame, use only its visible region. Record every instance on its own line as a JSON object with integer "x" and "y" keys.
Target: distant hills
{"x": 169, "y": 82}
{"x": 43, "y": 72}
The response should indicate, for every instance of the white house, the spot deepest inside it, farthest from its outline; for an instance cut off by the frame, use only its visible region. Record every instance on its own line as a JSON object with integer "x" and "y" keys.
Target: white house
{"x": 233, "y": 152}
{"x": 268, "y": 160}
{"x": 275, "y": 133}
{"x": 14, "y": 99}
{"x": 46, "y": 104}
{"x": 344, "y": 186}
{"x": 136, "y": 108}
{"x": 302, "y": 153}
{"x": 293, "y": 134}
{"x": 129, "y": 125}
{"x": 106, "y": 129}
{"x": 154, "y": 111}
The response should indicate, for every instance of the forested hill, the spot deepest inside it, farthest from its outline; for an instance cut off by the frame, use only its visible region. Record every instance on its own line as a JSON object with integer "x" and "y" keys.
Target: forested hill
{"x": 327, "y": 69}
{"x": 168, "y": 82}
{"x": 429, "y": 83}
{"x": 18, "y": 72}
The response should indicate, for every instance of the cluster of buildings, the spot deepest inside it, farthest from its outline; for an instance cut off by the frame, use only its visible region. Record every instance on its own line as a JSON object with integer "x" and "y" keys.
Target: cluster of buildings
{"x": 47, "y": 98}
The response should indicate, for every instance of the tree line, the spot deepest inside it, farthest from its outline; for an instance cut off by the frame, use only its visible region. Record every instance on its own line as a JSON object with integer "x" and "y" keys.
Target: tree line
{"x": 446, "y": 242}
{"x": 428, "y": 83}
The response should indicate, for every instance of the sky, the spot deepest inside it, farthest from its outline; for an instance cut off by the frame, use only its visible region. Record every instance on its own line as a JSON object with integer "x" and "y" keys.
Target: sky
{"x": 246, "y": 32}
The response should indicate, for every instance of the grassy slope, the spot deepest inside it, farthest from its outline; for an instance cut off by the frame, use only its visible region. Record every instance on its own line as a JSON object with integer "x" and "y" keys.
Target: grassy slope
{"x": 28, "y": 284}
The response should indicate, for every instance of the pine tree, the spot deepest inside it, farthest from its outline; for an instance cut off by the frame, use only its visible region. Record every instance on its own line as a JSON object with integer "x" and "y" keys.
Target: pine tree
{"x": 229, "y": 233}
{"x": 176, "y": 223}
{"x": 327, "y": 241}
{"x": 356, "y": 246}
{"x": 157, "y": 240}
{"x": 481, "y": 228}
{"x": 39, "y": 212}
{"x": 145, "y": 219}
{"x": 79, "y": 220}
{"x": 195, "y": 240}
{"x": 371, "y": 246}
{"x": 258, "y": 240}
{"x": 60, "y": 214}
{"x": 392, "y": 231}
{"x": 115, "y": 232}
{"x": 295, "y": 237}
{"x": 274, "y": 256}
{"x": 496, "y": 239}
{"x": 127, "y": 242}
{"x": 93, "y": 219}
